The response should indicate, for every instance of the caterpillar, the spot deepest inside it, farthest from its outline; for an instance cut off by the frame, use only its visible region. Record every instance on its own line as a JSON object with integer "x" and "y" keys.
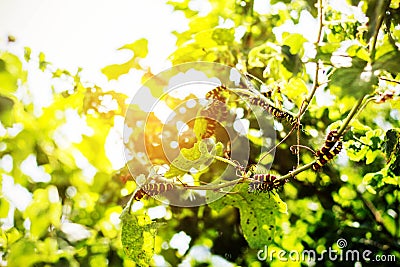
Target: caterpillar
{"x": 265, "y": 183}
{"x": 216, "y": 93}
{"x": 330, "y": 142}
{"x": 326, "y": 156}
{"x": 211, "y": 126}
{"x": 276, "y": 112}
{"x": 216, "y": 110}
{"x": 152, "y": 189}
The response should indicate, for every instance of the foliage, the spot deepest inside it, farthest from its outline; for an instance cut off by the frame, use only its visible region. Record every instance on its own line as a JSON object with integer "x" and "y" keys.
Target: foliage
{"x": 70, "y": 198}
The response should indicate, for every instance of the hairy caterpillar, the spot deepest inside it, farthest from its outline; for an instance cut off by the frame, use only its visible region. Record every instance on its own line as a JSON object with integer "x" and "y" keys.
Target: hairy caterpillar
{"x": 330, "y": 142}
{"x": 325, "y": 155}
{"x": 215, "y": 110}
{"x": 216, "y": 93}
{"x": 276, "y": 112}
{"x": 265, "y": 183}
{"x": 152, "y": 189}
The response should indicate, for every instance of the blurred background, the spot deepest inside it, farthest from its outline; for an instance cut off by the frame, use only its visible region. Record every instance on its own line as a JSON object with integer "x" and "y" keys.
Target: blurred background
{"x": 68, "y": 70}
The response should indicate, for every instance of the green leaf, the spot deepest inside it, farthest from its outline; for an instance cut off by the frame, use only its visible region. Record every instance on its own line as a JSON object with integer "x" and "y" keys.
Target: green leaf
{"x": 183, "y": 6}
{"x": 27, "y": 53}
{"x": 138, "y": 237}
{"x": 23, "y": 253}
{"x": 223, "y": 36}
{"x": 4, "y": 207}
{"x": 257, "y": 214}
{"x": 44, "y": 211}
{"x": 391, "y": 141}
{"x": 394, "y": 166}
{"x": 292, "y": 62}
{"x": 196, "y": 157}
{"x": 359, "y": 127}
{"x": 254, "y": 136}
{"x": 259, "y": 55}
{"x": 295, "y": 41}
{"x": 359, "y": 52}
{"x": 371, "y": 156}
{"x": 139, "y": 49}
{"x": 6, "y": 104}
{"x": 10, "y": 72}
{"x": 394, "y": 4}
{"x": 389, "y": 62}
{"x": 374, "y": 180}
{"x": 42, "y": 61}
{"x": 355, "y": 151}
{"x": 356, "y": 80}
{"x": 296, "y": 90}
{"x": 93, "y": 142}
{"x": 41, "y": 156}
{"x": 324, "y": 52}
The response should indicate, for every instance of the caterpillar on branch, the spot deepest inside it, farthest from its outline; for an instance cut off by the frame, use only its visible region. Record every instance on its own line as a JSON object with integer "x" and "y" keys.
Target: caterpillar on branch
{"x": 333, "y": 145}
{"x": 265, "y": 183}
{"x": 153, "y": 189}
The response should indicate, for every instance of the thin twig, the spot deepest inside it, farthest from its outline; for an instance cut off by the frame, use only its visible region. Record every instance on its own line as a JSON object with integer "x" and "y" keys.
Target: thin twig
{"x": 128, "y": 207}
{"x": 350, "y": 116}
{"x": 273, "y": 148}
{"x": 227, "y": 161}
{"x": 316, "y": 84}
{"x": 216, "y": 187}
{"x": 297, "y": 147}
{"x": 293, "y": 173}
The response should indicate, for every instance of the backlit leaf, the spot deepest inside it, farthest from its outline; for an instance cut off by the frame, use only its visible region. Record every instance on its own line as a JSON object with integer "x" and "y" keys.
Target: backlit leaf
{"x": 355, "y": 80}
{"x": 4, "y": 207}
{"x": 23, "y": 253}
{"x": 295, "y": 41}
{"x": 10, "y": 72}
{"x": 257, "y": 214}
{"x": 389, "y": 62}
{"x": 138, "y": 237}
{"x": 139, "y": 49}
{"x": 44, "y": 211}
{"x": 196, "y": 157}
{"x": 296, "y": 90}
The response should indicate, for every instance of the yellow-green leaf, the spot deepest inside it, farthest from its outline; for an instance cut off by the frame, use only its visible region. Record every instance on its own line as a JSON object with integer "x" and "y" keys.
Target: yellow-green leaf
{"x": 138, "y": 236}
{"x": 139, "y": 49}
{"x": 296, "y": 90}
{"x": 257, "y": 213}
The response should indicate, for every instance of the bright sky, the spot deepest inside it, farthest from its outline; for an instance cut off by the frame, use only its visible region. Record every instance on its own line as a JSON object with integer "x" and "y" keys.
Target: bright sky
{"x": 87, "y": 33}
